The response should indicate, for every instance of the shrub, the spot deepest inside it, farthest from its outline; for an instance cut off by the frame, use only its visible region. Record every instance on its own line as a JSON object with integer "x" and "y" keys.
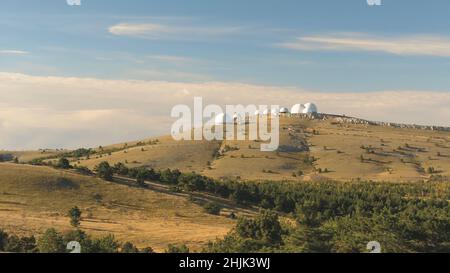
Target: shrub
{"x": 212, "y": 208}
{"x": 104, "y": 171}
{"x": 75, "y": 216}
{"x": 177, "y": 249}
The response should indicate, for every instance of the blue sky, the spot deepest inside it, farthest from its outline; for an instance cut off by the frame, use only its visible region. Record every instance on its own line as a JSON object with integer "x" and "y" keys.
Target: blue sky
{"x": 111, "y": 71}
{"x": 238, "y": 41}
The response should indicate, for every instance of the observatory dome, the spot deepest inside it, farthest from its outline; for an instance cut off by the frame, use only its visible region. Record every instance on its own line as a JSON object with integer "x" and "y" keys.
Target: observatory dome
{"x": 275, "y": 111}
{"x": 310, "y": 108}
{"x": 222, "y": 119}
{"x": 284, "y": 110}
{"x": 297, "y": 109}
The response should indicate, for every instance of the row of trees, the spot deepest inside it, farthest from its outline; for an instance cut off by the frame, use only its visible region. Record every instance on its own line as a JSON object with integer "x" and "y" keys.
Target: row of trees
{"x": 332, "y": 217}
{"x": 53, "y": 241}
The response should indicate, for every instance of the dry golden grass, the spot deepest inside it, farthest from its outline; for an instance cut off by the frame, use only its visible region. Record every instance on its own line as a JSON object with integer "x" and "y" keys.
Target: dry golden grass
{"x": 336, "y": 148}
{"x": 33, "y": 199}
{"x": 398, "y": 154}
{"x": 245, "y": 160}
{"x": 26, "y": 156}
{"x": 167, "y": 153}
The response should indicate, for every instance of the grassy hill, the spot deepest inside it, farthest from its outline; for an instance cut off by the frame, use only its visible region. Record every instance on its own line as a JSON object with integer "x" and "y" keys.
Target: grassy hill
{"x": 310, "y": 149}
{"x": 33, "y": 199}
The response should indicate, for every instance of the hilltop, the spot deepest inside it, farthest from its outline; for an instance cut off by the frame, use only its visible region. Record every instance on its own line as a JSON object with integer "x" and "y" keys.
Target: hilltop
{"x": 312, "y": 147}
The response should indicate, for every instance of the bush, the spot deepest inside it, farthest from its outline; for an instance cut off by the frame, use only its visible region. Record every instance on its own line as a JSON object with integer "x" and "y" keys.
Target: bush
{"x": 129, "y": 248}
{"x": 104, "y": 171}
{"x": 177, "y": 249}
{"x": 51, "y": 242}
{"x": 63, "y": 163}
{"x": 212, "y": 208}
{"x": 75, "y": 216}
{"x": 83, "y": 170}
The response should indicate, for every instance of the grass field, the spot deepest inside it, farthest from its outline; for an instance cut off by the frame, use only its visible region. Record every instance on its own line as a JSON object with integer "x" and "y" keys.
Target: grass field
{"x": 33, "y": 199}
{"x": 379, "y": 153}
{"x": 340, "y": 152}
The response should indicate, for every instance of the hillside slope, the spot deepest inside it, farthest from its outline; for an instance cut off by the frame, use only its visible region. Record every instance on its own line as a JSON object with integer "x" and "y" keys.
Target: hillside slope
{"x": 310, "y": 149}
{"x": 33, "y": 199}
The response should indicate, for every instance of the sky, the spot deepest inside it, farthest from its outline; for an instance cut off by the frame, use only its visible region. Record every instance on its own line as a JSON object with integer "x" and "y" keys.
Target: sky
{"x": 109, "y": 71}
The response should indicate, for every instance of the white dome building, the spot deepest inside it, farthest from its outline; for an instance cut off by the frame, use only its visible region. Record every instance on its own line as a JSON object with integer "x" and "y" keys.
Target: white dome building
{"x": 310, "y": 108}
{"x": 297, "y": 109}
{"x": 223, "y": 119}
{"x": 275, "y": 112}
{"x": 284, "y": 110}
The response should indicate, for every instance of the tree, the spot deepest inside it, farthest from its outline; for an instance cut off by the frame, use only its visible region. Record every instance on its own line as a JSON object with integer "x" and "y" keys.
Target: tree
{"x": 51, "y": 242}
{"x": 3, "y": 240}
{"x": 129, "y": 248}
{"x": 82, "y": 238}
{"x": 107, "y": 244}
{"x": 177, "y": 249}
{"x": 21, "y": 245}
{"x": 265, "y": 228}
{"x": 104, "y": 171}
{"x": 63, "y": 163}
{"x": 121, "y": 169}
{"x": 140, "y": 178}
{"x": 147, "y": 250}
{"x": 75, "y": 217}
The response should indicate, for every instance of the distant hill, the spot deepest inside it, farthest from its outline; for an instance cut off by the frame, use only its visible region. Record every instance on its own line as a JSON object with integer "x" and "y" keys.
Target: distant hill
{"x": 312, "y": 147}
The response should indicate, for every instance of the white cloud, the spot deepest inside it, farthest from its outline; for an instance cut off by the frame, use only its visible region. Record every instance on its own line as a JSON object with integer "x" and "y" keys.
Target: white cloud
{"x": 425, "y": 45}
{"x": 171, "y": 59}
{"x": 13, "y": 52}
{"x": 38, "y": 112}
{"x": 165, "y": 31}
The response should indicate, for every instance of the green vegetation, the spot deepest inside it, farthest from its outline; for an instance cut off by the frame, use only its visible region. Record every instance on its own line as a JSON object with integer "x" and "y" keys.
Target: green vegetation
{"x": 75, "y": 216}
{"x": 53, "y": 241}
{"x": 329, "y": 216}
{"x": 212, "y": 208}
{"x": 105, "y": 171}
{"x": 63, "y": 163}
{"x": 177, "y": 249}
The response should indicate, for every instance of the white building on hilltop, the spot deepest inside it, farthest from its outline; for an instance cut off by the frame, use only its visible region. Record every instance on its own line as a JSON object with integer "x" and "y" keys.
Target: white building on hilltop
{"x": 310, "y": 108}
{"x": 307, "y": 108}
{"x": 222, "y": 118}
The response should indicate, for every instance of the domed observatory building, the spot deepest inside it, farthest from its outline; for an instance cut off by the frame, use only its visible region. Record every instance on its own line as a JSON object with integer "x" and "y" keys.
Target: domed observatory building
{"x": 222, "y": 119}
{"x": 297, "y": 109}
{"x": 284, "y": 110}
{"x": 310, "y": 108}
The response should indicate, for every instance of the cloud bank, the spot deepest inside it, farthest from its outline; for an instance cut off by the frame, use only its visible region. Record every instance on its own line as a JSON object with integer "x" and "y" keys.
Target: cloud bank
{"x": 420, "y": 45}
{"x": 58, "y": 112}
